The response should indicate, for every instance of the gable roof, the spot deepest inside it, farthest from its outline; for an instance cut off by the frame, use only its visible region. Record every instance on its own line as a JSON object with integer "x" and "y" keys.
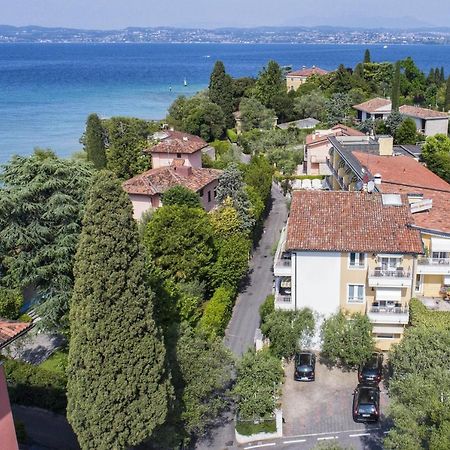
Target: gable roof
{"x": 157, "y": 181}
{"x": 403, "y": 174}
{"x": 374, "y": 105}
{"x": 338, "y": 130}
{"x": 307, "y": 72}
{"x": 177, "y": 142}
{"x": 341, "y": 221}
{"x": 422, "y": 113}
{"x": 10, "y": 330}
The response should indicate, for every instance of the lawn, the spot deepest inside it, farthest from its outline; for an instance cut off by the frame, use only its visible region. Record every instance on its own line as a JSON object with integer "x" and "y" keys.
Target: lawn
{"x": 56, "y": 363}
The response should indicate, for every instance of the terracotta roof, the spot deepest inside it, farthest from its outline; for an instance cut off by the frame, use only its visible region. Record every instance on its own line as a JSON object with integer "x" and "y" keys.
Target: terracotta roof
{"x": 307, "y": 72}
{"x": 350, "y": 222}
{"x": 404, "y": 174}
{"x": 373, "y": 105}
{"x": 337, "y": 130}
{"x": 177, "y": 142}
{"x": 422, "y": 113}
{"x": 157, "y": 181}
{"x": 9, "y": 330}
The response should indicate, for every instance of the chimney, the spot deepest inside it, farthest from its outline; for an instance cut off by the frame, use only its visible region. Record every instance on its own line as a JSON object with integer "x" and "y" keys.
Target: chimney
{"x": 185, "y": 138}
{"x": 184, "y": 171}
{"x": 386, "y": 145}
{"x": 377, "y": 179}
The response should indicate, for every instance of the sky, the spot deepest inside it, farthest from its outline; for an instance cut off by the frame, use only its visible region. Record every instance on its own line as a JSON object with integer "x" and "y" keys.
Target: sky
{"x": 113, "y": 14}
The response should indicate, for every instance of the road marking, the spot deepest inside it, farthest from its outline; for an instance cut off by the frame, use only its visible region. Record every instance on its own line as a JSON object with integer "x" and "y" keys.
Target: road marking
{"x": 335, "y": 432}
{"x": 360, "y": 434}
{"x": 294, "y": 442}
{"x": 327, "y": 438}
{"x": 260, "y": 445}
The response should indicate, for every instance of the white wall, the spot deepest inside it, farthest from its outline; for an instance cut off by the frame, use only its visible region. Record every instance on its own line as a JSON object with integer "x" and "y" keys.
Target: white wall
{"x": 436, "y": 126}
{"x": 141, "y": 203}
{"x": 317, "y": 281}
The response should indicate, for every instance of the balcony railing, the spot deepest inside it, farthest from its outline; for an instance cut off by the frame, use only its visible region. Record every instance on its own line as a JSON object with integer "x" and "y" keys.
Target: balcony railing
{"x": 391, "y": 273}
{"x": 283, "y": 298}
{"x": 283, "y": 262}
{"x": 389, "y": 310}
{"x": 434, "y": 261}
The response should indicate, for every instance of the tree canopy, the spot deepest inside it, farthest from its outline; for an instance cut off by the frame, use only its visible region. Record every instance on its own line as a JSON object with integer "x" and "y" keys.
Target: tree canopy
{"x": 436, "y": 154}
{"x": 221, "y": 92}
{"x": 180, "y": 195}
{"x": 94, "y": 141}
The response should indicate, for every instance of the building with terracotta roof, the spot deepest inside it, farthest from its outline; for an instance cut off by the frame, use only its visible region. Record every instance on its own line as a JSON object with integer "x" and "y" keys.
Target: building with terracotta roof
{"x": 428, "y": 121}
{"x": 349, "y": 251}
{"x": 296, "y": 78}
{"x": 176, "y": 160}
{"x": 376, "y": 108}
{"x": 379, "y": 169}
{"x": 9, "y": 331}
{"x": 317, "y": 147}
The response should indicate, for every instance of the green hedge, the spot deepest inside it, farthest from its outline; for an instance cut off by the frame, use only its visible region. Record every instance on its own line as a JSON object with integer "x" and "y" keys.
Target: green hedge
{"x": 248, "y": 428}
{"x": 32, "y": 386}
{"x": 217, "y": 313}
{"x": 421, "y": 315}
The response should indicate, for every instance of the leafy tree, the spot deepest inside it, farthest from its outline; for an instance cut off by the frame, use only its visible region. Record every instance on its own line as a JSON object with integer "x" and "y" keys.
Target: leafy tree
{"x": 255, "y": 115}
{"x": 436, "y": 155}
{"x": 179, "y": 240}
{"x": 367, "y": 56}
{"x": 267, "y": 307}
{"x": 406, "y": 132}
{"x": 347, "y": 341}
{"x": 259, "y": 375}
{"x": 11, "y": 301}
{"x": 337, "y": 108}
{"x": 395, "y": 96}
{"x": 310, "y": 105}
{"x": 127, "y": 137}
{"x": 221, "y": 92}
{"x": 342, "y": 80}
{"x": 231, "y": 185}
{"x": 117, "y": 379}
{"x": 225, "y": 220}
{"x": 288, "y": 331}
{"x": 270, "y": 84}
{"x": 94, "y": 141}
{"x": 41, "y": 207}
{"x": 242, "y": 88}
{"x": 447, "y": 95}
{"x": 393, "y": 122}
{"x": 181, "y": 196}
{"x": 258, "y": 175}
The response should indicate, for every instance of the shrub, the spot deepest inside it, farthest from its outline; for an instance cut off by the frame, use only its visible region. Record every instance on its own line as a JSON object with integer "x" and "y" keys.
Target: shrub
{"x": 217, "y": 313}
{"x": 232, "y": 135}
{"x": 221, "y": 147}
{"x": 21, "y": 433}
{"x": 347, "y": 341}
{"x": 420, "y": 315}
{"x": 11, "y": 301}
{"x": 266, "y": 308}
{"x": 249, "y": 427}
{"x": 25, "y": 318}
{"x": 181, "y": 196}
{"x": 33, "y": 386}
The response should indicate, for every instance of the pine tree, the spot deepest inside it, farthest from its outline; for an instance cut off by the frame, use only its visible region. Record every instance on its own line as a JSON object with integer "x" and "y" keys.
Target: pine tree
{"x": 270, "y": 85}
{"x": 447, "y": 95}
{"x": 117, "y": 386}
{"x": 221, "y": 92}
{"x": 367, "y": 56}
{"x": 395, "y": 98}
{"x": 94, "y": 142}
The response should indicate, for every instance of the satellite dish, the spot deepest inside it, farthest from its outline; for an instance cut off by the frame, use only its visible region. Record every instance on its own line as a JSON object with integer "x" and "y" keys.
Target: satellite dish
{"x": 370, "y": 186}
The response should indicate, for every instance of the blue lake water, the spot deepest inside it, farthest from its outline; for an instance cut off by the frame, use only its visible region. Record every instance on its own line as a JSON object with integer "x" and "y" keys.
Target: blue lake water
{"x": 47, "y": 90}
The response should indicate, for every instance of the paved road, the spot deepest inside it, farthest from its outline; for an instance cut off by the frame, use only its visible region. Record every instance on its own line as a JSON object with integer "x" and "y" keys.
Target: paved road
{"x": 245, "y": 319}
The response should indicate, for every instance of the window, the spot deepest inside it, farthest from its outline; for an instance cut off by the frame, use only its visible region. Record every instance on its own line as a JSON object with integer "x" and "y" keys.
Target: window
{"x": 387, "y": 336}
{"x": 201, "y": 193}
{"x": 390, "y": 263}
{"x": 440, "y": 255}
{"x": 357, "y": 260}
{"x": 209, "y": 196}
{"x": 418, "y": 286}
{"x": 178, "y": 155}
{"x": 215, "y": 192}
{"x": 355, "y": 293}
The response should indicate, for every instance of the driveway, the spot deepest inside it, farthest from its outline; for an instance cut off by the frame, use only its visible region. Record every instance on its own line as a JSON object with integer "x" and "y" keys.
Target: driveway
{"x": 324, "y": 406}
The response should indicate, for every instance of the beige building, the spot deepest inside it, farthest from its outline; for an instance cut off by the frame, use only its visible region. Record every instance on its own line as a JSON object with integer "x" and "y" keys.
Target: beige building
{"x": 296, "y": 78}
{"x": 349, "y": 251}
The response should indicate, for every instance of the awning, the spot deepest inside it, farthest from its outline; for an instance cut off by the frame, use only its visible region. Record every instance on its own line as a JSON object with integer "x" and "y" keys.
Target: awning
{"x": 391, "y": 294}
{"x": 387, "y": 330}
{"x": 440, "y": 245}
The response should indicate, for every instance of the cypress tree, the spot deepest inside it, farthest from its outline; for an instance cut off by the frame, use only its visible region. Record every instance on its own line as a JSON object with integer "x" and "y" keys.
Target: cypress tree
{"x": 447, "y": 95}
{"x": 94, "y": 142}
{"x": 395, "y": 98}
{"x": 117, "y": 386}
{"x": 221, "y": 92}
{"x": 367, "y": 56}
{"x": 442, "y": 75}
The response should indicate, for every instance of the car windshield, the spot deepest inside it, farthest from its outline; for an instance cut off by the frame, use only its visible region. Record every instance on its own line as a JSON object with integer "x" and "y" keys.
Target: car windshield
{"x": 304, "y": 359}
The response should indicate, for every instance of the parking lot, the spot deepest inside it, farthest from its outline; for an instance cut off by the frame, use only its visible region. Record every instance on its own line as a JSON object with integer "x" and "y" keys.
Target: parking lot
{"x": 324, "y": 405}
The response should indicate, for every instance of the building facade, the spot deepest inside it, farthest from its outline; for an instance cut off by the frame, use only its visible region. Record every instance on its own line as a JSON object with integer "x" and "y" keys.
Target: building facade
{"x": 428, "y": 121}
{"x": 296, "y": 78}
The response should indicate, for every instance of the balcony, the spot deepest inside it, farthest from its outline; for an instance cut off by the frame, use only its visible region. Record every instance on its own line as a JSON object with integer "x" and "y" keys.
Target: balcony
{"x": 433, "y": 266}
{"x": 390, "y": 278}
{"x": 283, "y": 302}
{"x": 282, "y": 265}
{"x": 388, "y": 314}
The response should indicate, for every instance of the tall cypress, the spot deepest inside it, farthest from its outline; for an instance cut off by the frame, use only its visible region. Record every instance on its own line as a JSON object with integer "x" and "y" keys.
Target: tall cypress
{"x": 395, "y": 98}
{"x": 94, "y": 142}
{"x": 442, "y": 75}
{"x": 221, "y": 91}
{"x": 367, "y": 58}
{"x": 447, "y": 95}
{"x": 117, "y": 385}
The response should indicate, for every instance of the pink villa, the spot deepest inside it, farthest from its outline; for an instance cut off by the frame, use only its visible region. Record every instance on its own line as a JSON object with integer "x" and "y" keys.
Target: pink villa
{"x": 176, "y": 160}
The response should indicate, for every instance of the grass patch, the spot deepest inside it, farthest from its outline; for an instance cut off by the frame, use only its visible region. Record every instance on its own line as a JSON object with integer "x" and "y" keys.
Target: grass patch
{"x": 248, "y": 428}
{"x": 56, "y": 363}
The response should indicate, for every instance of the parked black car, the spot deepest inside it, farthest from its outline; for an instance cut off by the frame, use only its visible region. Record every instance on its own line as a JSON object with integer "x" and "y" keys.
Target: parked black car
{"x": 372, "y": 370}
{"x": 366, "y": 403}
{"x": 305, "y": 366}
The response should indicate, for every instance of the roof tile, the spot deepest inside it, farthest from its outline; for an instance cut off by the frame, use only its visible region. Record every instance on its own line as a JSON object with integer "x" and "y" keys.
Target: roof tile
{"x": 178, "y": 142}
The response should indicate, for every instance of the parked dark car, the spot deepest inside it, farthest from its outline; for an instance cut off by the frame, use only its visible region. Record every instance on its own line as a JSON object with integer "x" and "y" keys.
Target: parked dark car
{"x": 372, "y": 370}
{"x": 305, "y": 366}
{"x": 366, "y": 403}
